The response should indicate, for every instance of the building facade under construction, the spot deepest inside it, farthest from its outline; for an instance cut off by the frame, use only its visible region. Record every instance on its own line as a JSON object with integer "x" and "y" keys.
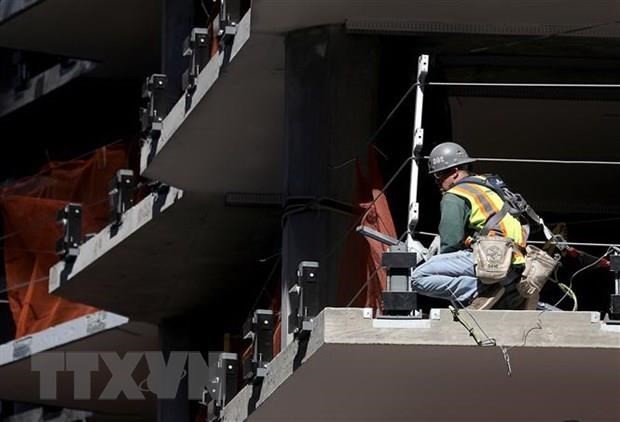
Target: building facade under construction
{"x": 211, "y": 209}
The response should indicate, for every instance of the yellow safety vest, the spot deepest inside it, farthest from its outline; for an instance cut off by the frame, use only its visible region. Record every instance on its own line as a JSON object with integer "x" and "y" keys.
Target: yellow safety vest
{"x": 485, "y": 204}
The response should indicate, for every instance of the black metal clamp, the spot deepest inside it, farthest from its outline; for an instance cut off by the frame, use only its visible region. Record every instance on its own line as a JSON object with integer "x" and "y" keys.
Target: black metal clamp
{"x": 398, "y": 299}
{"x": 153, "y": 111}
{"x": 70, "y": 217}
{"x": 259, "y": 330}
{"x": 304, "y": 297}
{"x": 226, "y": 31}
{"x": 121, "y": 194}
{"x": 196, "y": 47}
{"x": 223, "y": 381}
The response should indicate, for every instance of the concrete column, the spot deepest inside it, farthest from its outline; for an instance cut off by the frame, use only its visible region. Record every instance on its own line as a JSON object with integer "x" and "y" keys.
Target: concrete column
{"x": 330, "y": 89}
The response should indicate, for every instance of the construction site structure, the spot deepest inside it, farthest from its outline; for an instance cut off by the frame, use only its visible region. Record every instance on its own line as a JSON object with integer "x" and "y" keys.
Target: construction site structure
{"x": 246, "y": 153}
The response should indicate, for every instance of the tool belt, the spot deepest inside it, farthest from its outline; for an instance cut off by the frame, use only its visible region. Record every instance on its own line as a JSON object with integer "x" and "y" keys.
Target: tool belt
{"x": 493, "y": 258}
{"x": 538, "y": 267}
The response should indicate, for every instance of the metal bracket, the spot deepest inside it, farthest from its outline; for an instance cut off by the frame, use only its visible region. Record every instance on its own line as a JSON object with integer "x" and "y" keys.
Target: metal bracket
{"x": 95, "y": 322}
{"x": 259, "y": 329}
{"x": 398, "y": 299}
{"x": 367, "y": 313}
{"x": 223, "y": 379}
{"x": 614, "y": 303}
{"x": 71, "y": 219}
{"x": 152, "y": 113}
{"x": 22, "y": 80}
{"x": 121, "y": 194}
{"x": 196, "y": 46}
{"x": 22, "y": 347}
{"x": 226, "y": 33}
{"x": 435, "y": 314}
{"x": 304, "y": 296}
{"x": 418, "y": 141}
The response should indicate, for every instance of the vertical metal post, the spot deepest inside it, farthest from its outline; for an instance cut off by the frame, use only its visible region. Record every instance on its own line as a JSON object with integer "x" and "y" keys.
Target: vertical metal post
{"x": 285, "y": 312}
{"x": 614, "y": 307}
{"x": 418, "y": 140}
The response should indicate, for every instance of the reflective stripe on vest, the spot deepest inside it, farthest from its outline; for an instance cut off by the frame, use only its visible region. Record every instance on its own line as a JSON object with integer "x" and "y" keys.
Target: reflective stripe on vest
{"x": 484, "y": 204}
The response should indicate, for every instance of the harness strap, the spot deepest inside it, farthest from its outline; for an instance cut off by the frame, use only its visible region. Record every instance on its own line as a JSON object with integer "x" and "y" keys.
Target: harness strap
{"x": 528, "y": 210}
{"x": 494, "y": 221}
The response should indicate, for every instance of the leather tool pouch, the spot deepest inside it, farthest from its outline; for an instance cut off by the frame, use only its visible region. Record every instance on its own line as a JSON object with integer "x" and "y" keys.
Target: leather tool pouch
{"x": 493, "y": 257}
{"x": 538, "y": 267}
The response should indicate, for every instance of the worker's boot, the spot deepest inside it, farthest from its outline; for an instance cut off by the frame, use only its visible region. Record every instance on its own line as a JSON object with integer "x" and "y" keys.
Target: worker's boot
{"x": 487, "y": 298}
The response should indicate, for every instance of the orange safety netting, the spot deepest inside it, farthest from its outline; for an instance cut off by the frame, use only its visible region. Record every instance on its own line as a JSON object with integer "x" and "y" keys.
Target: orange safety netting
{"x": 361, "y": 257}
{"x": 29, "y": 211}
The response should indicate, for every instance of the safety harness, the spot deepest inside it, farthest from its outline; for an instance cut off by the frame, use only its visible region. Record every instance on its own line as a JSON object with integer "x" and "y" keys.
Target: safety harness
{"x": 514, "y": 203}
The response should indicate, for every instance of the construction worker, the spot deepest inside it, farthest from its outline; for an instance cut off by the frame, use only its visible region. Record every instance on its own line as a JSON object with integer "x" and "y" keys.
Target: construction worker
{"x": 467, "y": 207}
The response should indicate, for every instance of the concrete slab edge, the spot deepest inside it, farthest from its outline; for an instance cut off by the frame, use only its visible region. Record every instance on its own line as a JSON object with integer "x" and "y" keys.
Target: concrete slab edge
{"x": 356, "y": 326}
{"x": 10, "y": 9}
{"x": 506, "y": 328}
{"x": 42, "y": 84}
{"x": 94, "y": 248}
{"x": 207, "y": 78}
{"x": 290, "y": 359}
{"x": 59, "y": 335}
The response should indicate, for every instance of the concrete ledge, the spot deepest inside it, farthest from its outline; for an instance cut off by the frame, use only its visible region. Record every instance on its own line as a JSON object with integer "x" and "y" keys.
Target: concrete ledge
{"x": 98, "y": 332}
{"x": 9, "y": 9}
{"x": 228, "y": 136}
{"x": 37, "y": 415}
{"x": 509, "y": 17}
{"x": 100, "y": 244}
{"x": 206, "y": 79}
{"x": 59, "y": 335}
{"x": 548, "y": 367}
{"x": 42, "y": 84}
{"x": 98, "y": 250}
{"x": 171, "y": 254}
{"x": 82, "y": 30}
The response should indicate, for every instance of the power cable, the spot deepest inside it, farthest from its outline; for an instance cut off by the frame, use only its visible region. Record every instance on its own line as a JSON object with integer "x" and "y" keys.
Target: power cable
{"x": 570, "y": 282}
{"x": 52, "y": 167}
{"x": 205, "y": 10}
{"x": 589, "y": 221}
{"x": 373, "y": 137}
{"x": 602, "y": 245}
{"x": 541, "y": 161}
{"x": 487, "y": 341}
{"x": 364, "y": 286}
{"x": 339, "y": 242}
{"x": 541, "y": 37}
{"x": 538, "y": 325}
{"x": 41, "y": 223}
{"x": 523, "y": 85}
{"x": 23, "y": 284}
{"x": 272, "y": 272}
{"x": 61, "y": 164}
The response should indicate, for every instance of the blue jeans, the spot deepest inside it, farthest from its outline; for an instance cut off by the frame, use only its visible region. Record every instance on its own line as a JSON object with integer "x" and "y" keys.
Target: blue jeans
{"x": 448, "y": 276}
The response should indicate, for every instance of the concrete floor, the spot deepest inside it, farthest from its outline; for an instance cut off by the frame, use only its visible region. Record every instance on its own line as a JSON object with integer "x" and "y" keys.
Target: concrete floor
{"x": 562, "y": 366}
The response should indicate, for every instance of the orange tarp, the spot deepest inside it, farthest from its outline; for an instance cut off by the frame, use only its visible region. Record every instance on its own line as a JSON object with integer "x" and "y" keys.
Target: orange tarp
{"x": 361, "y": 258}
{"x": 29, "y": 210}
